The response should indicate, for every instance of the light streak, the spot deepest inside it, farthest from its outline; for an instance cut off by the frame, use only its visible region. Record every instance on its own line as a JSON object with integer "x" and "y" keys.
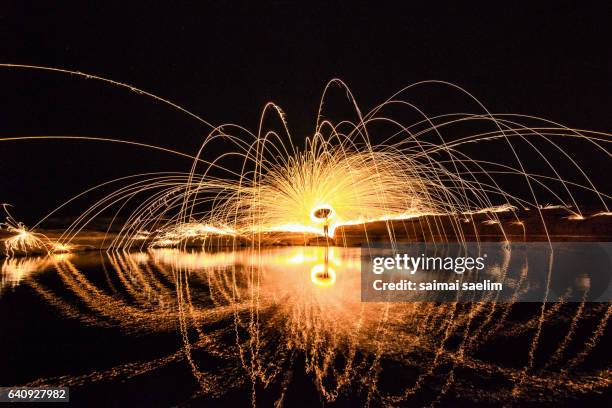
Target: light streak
{"x": 373, "y": 167}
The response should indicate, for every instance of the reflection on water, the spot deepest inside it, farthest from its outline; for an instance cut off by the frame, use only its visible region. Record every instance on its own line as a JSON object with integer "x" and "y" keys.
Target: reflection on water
{"x": 264, "y": 326}
{"x": 16, "y": 269}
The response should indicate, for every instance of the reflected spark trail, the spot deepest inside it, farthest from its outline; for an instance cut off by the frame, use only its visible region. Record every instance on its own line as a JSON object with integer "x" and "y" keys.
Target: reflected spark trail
{"x": 260, "y": 312}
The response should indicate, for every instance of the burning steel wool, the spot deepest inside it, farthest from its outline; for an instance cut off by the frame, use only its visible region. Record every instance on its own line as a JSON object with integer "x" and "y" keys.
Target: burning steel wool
{"x": 23, "y": 240}
{"x": 266, "y": 313}
{"x": 373, "y": 167}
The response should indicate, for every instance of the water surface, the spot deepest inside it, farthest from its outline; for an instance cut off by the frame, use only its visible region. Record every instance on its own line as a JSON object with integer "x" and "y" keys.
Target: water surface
{"x": 280, "y": 325}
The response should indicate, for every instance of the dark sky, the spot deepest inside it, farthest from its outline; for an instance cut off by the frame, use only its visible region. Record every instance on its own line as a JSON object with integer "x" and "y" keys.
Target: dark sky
{"x": 552, "y": 60}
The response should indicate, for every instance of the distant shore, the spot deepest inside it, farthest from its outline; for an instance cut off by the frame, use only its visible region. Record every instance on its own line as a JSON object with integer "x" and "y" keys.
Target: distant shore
{"x": 514, "y": 226}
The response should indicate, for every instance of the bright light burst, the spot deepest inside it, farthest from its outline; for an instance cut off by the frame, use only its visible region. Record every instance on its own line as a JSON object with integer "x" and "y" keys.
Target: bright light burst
{"x": 21, "y": 239}
{"x": 24, "y": 241}
{"x": 358, "y": 186}
{"x": 394, "y": 162}
{"x": 264, "y": 183}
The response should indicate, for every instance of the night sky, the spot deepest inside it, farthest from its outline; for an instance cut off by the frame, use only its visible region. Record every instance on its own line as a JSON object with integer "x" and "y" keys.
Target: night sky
{"x": 552, "y": 60}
